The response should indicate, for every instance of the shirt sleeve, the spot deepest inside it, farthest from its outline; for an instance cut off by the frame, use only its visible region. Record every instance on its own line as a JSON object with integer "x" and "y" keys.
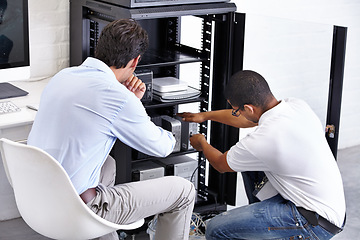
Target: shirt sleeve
{"x": 134, "y": 128}
{"x": 241, "y": 159}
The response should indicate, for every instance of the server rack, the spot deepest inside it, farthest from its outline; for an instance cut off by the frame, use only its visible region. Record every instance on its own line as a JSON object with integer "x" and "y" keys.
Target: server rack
{"x": 220, "y": 55}
{"x": 165, "y": 55}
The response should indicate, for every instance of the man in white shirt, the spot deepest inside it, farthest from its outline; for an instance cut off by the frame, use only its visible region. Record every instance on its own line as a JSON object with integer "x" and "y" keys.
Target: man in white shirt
{"x": 289, "y": 145}
{"x": 84, "y": 109}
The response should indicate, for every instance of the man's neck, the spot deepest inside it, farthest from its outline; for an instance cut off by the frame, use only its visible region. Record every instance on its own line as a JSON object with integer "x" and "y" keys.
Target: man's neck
{"x": 273, "y": 103}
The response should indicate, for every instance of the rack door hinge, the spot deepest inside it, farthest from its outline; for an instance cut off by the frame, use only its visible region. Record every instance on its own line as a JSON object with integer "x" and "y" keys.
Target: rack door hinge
{"x": 330, "y": 129}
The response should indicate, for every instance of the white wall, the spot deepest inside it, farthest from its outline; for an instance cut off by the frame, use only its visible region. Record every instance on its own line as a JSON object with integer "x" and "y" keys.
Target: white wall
{"x": 49, "y": 29}
{"x": 265, "y": 13}
{"x": 49, "y": 36}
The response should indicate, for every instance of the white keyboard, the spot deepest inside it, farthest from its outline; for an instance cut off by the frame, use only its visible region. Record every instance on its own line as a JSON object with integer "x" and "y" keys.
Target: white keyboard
{"x": 8, "y": 107}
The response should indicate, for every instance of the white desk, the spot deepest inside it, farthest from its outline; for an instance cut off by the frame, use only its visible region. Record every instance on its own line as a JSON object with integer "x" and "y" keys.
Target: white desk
{"x": 16, "y": 126}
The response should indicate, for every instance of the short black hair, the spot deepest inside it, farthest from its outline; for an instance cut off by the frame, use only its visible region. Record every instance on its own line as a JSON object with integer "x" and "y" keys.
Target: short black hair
{"x": 121, "y": 41}
{"x": 248, "y": 87}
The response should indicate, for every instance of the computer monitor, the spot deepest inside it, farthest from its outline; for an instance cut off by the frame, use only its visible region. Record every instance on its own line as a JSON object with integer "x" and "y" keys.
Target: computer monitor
{"x": 14, "y": 40}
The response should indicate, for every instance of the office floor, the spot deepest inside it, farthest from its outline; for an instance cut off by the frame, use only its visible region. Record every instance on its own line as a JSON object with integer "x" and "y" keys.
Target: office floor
{"x": 349, "y": 163}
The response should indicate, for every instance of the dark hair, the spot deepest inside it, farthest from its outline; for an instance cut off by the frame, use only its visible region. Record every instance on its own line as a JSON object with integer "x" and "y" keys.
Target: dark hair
{"x": 120, "y": 41}
{"x": 248, "y": 87}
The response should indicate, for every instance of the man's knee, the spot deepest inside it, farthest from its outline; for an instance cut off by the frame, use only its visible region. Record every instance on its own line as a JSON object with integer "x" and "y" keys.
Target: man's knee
{"x": 215, "y": 227}
{"x": 209, "y": 232}
{"x": 187, "y": 188}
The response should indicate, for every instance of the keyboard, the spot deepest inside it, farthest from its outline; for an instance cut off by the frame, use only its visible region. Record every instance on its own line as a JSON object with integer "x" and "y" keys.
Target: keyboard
{"x": 8, "y": 107}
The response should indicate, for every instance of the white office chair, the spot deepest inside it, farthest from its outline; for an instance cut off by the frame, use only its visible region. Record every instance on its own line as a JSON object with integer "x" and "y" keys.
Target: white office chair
{"x": 46, "y": 198}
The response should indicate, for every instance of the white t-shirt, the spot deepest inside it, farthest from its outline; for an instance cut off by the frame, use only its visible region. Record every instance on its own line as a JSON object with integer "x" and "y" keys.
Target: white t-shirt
{"x": 289, "y": 145}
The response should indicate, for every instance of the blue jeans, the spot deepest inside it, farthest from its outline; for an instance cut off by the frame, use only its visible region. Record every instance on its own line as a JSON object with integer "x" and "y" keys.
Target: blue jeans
{"x": 274, "y": 218}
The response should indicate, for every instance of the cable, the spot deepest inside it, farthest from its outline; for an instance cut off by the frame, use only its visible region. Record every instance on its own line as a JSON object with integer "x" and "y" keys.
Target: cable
{"x": 197, "y": 225}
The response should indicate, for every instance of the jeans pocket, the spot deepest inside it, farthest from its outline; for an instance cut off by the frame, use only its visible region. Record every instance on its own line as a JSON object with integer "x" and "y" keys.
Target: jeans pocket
{"x": 297, "y": 237}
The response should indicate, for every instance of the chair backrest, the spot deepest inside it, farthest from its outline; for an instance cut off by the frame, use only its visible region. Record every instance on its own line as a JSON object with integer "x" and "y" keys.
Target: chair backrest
{"x": 46, "y": 198}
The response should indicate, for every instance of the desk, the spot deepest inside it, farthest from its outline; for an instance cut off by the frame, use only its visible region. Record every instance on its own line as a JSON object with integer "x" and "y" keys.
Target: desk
{"x": 16, "y": 126}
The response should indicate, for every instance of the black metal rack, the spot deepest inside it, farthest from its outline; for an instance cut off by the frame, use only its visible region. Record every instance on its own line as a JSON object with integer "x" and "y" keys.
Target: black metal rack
{"x": 165, "y": 54}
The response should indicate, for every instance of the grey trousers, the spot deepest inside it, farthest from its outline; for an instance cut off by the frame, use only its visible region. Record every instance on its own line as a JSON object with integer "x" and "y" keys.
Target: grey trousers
{"x": 171, "y": 198}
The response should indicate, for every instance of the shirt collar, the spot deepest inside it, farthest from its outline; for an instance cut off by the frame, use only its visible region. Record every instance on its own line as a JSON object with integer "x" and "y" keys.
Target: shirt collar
{"x": 273, "y": 111}
{"x": 98, "y": 64}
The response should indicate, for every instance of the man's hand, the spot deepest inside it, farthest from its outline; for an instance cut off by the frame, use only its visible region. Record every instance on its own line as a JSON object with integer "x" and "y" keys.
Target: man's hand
{"x": 197, "y": 140}
{"x": 192, "y": 117}
{"x": 214, "y": 156}
{"x": 135, "y": 85}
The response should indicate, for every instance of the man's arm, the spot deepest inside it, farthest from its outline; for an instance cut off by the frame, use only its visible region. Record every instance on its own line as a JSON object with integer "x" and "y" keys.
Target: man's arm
{"x": 222, "y": 116}
{"x": 214, "y": 156}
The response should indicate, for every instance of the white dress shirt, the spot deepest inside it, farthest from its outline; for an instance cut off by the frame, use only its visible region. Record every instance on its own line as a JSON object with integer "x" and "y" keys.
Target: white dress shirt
{"x": 82, "y": 111}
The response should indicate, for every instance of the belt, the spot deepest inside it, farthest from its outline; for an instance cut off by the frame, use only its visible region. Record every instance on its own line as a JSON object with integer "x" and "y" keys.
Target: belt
{"x": 315, "y": 219}
{"x": 88, "y": 195}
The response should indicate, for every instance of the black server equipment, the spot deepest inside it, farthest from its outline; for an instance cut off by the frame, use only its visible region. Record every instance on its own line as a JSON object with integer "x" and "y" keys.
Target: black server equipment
{"x": 146, "y": 77}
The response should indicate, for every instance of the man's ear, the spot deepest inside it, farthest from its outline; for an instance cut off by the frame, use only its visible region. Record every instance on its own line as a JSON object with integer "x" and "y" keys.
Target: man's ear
{"x": 134, "y": 62}
{"x": 249, "y": 108}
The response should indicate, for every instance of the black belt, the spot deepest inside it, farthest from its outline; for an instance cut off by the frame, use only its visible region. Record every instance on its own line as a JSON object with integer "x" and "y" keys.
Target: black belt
{"x": 315, "y": 219}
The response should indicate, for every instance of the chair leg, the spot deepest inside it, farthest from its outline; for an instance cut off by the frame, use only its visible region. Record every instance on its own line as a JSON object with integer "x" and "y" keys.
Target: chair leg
{"x": 122, "y": 235}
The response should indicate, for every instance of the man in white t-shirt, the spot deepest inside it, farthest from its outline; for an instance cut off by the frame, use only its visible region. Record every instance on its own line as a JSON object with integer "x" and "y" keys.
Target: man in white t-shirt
{"x": 289, "y": 145}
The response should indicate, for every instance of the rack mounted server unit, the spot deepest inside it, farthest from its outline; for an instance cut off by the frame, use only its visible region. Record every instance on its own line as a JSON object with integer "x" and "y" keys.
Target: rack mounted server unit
{"x": 152, "y": 3}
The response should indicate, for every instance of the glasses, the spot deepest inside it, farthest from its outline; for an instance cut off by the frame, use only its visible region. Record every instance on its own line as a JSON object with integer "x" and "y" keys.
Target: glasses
{"x": 235, "y": 112}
